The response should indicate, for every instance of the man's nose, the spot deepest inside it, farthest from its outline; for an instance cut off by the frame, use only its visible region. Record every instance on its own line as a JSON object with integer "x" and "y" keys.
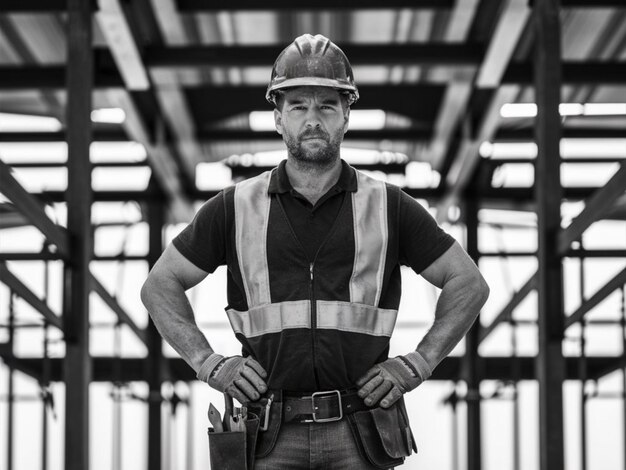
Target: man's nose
{"x": 312, "y": 118}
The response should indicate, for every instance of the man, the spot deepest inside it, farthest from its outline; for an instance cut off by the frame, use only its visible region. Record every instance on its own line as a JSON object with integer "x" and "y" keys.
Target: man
{"x": 313, "y": 251}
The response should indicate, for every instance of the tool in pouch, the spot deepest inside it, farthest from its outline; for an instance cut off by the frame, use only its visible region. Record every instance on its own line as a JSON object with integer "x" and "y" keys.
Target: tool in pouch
{"x": 232, "y": 440}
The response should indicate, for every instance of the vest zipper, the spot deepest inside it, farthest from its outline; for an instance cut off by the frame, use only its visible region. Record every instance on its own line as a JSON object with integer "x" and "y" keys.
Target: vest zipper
{"x": 313, "y": 321}
{"x": 346, "y": 198}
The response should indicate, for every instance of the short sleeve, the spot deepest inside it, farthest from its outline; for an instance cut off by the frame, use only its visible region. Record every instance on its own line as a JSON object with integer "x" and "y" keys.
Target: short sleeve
{"x": 422, "y": 241}
{"x": 203, "y": 241}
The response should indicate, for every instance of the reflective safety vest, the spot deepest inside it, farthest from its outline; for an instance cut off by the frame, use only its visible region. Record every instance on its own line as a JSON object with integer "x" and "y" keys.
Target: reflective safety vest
{"x": 313, "y": 324}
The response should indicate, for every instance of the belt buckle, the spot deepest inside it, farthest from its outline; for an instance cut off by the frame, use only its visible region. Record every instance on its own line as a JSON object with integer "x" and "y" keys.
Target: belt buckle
{"x": 323, "y": 394}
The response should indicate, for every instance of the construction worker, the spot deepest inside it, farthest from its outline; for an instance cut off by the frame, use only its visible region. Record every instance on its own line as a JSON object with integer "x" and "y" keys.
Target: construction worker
{"x": 314, "y": 250}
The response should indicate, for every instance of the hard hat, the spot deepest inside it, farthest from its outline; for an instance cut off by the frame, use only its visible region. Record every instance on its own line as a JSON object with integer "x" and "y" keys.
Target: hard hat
{"x": 314, "y": 61}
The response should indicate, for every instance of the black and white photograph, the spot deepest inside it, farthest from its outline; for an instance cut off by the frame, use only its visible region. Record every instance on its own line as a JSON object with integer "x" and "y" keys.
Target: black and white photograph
{"x": 314, "y": 235}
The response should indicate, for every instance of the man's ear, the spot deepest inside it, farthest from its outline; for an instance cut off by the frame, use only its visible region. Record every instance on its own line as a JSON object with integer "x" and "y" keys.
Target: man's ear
{"x": 346, "y": 118}
{"x": 278, "y": 121}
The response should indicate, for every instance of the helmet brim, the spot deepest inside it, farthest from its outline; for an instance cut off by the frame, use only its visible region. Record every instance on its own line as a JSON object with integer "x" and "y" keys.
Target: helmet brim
{"x": 312, "y": 81}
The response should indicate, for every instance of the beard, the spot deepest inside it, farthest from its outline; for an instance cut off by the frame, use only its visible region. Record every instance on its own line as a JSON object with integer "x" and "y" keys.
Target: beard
{"x": 321, "y": 155}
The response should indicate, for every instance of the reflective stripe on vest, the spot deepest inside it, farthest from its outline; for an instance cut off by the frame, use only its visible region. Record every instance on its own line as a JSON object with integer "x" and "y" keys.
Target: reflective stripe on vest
{"x": 252, "y": 211}
{"x": 369, "y": 208}
{"x": 355, "y": 318}
{"x": 271, "y": 318}
{"x": 341, "y": 316}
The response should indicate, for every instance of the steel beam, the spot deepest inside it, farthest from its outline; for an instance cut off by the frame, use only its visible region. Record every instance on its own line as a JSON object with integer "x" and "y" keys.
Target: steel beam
{"x": 466, "y": 54}
{"x": 550, "y": 365}
{"x": 526, "y": 134}
{"x": 32, "y": 368}
{"x": 189, "y": 6}
{"x": 466, "y": 158}
{"x": 508, "y": 309}
{"x": 98, "y": 136}
{"x": 597, "y": 205}
{"x": 49, "y": 77}
{"x": 574, "y": 73}
{"x": 578, "y": 253}
{"x": 160, "y": 158}
{"x": 513, "y": 198}
{"x": 229, "y": 5}
{"x": 472, "y": 364}
{"x": 415, "y": 135}
{"x": 31, "y": 208}
{"x": 155, "y": 362}
{"x": 618, "y": 281}
{"x": 121, "y": 314}
{"x": 77, "y": 362}
{"x": 450, "y": 369}
{"x": 11, "y": 281}
{"x": 607, "y": 368}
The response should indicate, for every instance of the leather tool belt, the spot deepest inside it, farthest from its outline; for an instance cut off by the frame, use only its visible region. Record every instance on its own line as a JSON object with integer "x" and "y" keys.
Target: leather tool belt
{"x": 383, "y": 436}
{"x": 321, "y": 407}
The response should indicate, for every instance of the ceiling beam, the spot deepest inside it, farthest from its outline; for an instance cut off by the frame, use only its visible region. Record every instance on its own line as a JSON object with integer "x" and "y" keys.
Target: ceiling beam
{"x": 171, "y": 98}
{"x": 188, "y": 6}
{"x": 509, "y": 28}
{"x": 51, "y": 6}
{"x": 417, "y": 135}
{"x": 119, "y": 37}
{"x": 466, "y": 159}
{"x": 19, "y": 288}
{"x": 117, "y": 135}
{"x": 511, "y": 24}
{"x": 410, "y": 134}
{"x": 116, "y": 28}
{"x": 573, "y": 72}
{"x": 466, "y": 54}
{"x": 527, "y": 134}
{"x": 52, "y": 77}
{"x": 160, "y": 158}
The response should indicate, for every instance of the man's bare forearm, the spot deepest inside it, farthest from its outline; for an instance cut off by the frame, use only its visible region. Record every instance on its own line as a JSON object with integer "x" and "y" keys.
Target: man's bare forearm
{"x": 458, "y": 306}
{"x": 173, "y": 316}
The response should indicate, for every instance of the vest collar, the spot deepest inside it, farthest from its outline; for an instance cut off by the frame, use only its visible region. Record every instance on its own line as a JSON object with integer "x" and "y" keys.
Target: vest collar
{"x": 279, "y": 181}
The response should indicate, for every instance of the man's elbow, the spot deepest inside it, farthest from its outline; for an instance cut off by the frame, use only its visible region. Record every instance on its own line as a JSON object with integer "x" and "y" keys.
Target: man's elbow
{"x": 480, "y": 288}
{"x": 148, "y": 290}
{"x": 145, "y": 291}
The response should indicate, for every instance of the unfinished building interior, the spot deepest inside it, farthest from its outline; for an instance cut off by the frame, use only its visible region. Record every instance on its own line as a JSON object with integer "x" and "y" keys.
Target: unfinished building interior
{"x": 506, "y": 119}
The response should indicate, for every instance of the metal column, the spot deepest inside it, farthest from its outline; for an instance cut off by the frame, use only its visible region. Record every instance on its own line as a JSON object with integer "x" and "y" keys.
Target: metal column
{"x": 550, "y": 365}
{"x": 156, "y": 221}
{"x": 77, "y": 365}
{"x": 471, "y": 360}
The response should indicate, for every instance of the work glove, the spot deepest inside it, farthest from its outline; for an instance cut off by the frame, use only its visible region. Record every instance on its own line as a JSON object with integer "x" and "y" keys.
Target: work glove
{"x": 241, "y": 378}
{"x": 387, "y": 381}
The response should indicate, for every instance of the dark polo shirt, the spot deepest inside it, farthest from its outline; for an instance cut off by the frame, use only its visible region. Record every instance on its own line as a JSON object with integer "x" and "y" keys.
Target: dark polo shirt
{"x": 421, "y": 240}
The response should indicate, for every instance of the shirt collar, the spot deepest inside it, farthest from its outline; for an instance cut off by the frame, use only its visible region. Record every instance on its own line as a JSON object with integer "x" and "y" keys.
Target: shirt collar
{"x": 279, "y": 181}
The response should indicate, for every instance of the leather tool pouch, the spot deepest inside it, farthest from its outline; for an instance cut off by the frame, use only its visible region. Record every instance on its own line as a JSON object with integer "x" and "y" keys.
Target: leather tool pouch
{"x": 267, "y": 439}
{"x": 383, "y": 435}
{"x": 234, "y": 450}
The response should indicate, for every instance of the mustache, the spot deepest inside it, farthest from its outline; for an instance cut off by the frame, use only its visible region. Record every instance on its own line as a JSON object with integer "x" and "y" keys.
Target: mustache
{"x": 314, "y": 135}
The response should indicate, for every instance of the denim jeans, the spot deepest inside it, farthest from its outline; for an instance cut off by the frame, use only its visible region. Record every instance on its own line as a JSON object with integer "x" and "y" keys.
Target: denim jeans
{"x": 319, "y": 446}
